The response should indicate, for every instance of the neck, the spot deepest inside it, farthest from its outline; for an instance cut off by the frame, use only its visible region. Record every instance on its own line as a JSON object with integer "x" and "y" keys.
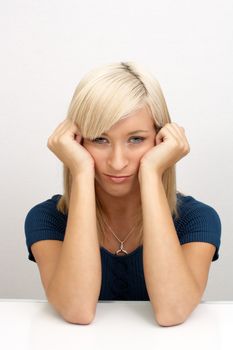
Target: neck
{"x": 119, "y": 209}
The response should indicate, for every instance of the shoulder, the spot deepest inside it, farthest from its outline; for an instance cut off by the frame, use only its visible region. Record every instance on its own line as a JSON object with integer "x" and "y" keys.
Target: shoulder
{"x": 197, "y": 221}
{"x": 44, "y": 221}
{"x": 190, "y": 207}
{"x": 45, "y": 210}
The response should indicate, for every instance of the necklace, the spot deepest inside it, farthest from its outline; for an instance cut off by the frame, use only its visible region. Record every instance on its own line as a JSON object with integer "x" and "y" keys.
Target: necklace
{"x": 121, "y": 249}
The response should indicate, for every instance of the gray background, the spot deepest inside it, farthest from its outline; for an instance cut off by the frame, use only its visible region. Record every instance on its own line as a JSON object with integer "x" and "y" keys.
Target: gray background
{"x": 46, "y": 48}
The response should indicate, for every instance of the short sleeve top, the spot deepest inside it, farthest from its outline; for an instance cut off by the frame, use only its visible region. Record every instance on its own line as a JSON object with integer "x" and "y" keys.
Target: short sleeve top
{"x": 122, "y": 275}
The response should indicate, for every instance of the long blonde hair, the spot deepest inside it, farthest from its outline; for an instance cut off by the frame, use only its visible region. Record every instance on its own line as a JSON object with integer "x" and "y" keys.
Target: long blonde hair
{"x": 104, "y": 96}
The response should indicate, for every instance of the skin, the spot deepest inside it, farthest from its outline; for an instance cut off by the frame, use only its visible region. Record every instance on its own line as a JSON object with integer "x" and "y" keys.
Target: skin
{"x": 118, "y": 154}
{"x": 174, "y": 276}
{"x": 174, "y": 289}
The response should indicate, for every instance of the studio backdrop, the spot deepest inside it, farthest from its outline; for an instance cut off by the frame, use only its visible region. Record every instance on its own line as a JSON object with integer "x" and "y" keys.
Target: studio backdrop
{"x": 48, "y": 46}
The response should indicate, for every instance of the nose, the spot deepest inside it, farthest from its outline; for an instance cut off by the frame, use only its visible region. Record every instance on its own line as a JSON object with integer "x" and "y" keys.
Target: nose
{"x": 118, "y": 158}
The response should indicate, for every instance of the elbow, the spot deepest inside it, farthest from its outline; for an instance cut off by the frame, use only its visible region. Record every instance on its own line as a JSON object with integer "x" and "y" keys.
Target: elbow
{"x": 169, "y": 319}
{"x": 174, "y": 317}
{"x": 73, "y": 314}
{"x": 78, "y": 318}
{"x": 80, "y": 314}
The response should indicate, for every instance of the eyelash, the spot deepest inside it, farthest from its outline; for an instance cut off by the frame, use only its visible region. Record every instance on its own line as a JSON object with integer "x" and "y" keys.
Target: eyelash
{"x": 136, "y": 137}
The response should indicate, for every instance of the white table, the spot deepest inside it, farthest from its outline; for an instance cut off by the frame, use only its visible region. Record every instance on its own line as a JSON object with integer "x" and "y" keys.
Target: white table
{"x": 34, "y": 324}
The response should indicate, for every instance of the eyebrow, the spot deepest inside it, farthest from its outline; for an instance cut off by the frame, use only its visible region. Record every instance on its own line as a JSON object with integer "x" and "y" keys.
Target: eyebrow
{"x": 131, "y": 132}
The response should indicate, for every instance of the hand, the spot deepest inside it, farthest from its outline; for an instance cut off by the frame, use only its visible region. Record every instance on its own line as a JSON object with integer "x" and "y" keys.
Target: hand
{"x": 65, "y": 144}
{"x": 170, "y": 146}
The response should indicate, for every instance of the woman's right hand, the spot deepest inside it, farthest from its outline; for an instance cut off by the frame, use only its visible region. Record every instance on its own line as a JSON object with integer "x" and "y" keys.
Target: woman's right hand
{"x": 65, "y": 144}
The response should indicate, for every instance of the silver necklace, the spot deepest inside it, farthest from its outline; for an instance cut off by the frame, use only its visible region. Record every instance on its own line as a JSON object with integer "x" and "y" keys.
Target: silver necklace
{"x": 121, "y": 249}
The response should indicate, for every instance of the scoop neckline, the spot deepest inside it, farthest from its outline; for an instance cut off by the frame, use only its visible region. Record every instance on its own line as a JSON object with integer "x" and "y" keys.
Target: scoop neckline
{"x": 121, "y": 256}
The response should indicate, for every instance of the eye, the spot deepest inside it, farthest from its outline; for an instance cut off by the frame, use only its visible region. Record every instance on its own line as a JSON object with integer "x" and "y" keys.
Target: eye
{"x": 96, "y": 140}
{"x": 141, "y": 139}
{"x": 138, "y": 138}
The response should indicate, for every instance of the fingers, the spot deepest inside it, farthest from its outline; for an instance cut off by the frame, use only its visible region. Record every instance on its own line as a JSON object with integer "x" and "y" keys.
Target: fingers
{"x": 65, "y": 126}
{"x": 173, "y": 131}
{"x": 176, "y": 132}
{"x": 181, "y": 132}
{"x": 62, "y": 126}
{"x": 165, "y": 131}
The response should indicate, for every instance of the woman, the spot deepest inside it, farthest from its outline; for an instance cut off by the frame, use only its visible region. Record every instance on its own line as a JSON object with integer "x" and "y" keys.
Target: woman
{"x": 121, "y": 230}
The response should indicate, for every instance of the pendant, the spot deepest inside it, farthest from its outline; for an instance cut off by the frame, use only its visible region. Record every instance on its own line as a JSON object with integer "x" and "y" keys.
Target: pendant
{"x": 121, "y": 250}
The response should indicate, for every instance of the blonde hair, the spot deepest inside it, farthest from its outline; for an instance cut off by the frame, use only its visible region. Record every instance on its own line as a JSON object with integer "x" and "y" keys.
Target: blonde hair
{"x": 104, "y": 96}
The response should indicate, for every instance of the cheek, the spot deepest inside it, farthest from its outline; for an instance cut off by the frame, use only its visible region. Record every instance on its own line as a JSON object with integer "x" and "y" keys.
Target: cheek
{"x": 147, "y": 148}
{"x": 98, "y": 159}
{"x": 88, "y": 147}
{"x": 89, "y": 150}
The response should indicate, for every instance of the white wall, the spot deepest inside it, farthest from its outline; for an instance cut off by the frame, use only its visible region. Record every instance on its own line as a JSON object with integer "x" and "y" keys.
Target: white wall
{"x": 46, "y": 48}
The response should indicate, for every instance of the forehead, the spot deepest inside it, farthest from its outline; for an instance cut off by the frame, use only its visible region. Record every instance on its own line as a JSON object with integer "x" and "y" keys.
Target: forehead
{"x": 140, "y": 119}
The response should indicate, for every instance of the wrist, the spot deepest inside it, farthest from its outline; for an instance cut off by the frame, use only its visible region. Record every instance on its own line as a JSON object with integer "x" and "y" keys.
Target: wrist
{"x": 84, "y": 174}
{"x": 147, "y": 170}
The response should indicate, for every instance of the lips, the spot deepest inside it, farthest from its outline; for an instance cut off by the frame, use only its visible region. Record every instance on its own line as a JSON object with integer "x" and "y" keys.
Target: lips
{"x": 119, "y": 176}
{"x": 118, "y": 179}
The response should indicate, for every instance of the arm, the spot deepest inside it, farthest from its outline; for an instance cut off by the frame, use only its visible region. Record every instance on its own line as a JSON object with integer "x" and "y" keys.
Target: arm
{"x": 172, "y": 289}
{"x": 75, "y": 286}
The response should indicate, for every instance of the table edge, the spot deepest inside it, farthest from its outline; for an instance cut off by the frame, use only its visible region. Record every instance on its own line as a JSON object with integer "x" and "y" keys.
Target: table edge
{"x": 110, "y": 301}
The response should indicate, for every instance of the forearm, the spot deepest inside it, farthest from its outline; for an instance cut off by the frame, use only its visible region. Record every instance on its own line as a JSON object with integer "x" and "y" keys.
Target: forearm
{"x": 76, "y": 283}
{"x": 171, "y": 286}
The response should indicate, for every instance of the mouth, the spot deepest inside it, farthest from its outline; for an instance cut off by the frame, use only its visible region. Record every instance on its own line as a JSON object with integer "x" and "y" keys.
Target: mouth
{"x": 118, "y": 179}
{"x": 119, "y": 176}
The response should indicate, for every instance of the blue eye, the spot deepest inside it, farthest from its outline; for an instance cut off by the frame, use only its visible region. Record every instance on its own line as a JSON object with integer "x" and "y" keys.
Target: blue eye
{"x": 139, "y": 138}
{"x": 102, "y": 138}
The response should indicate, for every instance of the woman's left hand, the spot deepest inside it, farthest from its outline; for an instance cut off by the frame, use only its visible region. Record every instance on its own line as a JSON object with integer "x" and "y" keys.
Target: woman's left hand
{"x": 170, "y": 146}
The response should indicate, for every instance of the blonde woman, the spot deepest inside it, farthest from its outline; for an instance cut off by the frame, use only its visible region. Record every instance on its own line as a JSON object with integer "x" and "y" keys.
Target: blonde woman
{"x": 121, "y": 230}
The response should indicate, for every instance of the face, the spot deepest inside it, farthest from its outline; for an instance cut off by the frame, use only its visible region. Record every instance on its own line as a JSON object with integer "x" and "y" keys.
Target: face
{"x": 119, "y": 151}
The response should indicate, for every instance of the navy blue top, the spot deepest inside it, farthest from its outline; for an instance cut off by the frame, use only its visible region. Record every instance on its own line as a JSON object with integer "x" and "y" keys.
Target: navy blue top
{"x": 122, "y": 275}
